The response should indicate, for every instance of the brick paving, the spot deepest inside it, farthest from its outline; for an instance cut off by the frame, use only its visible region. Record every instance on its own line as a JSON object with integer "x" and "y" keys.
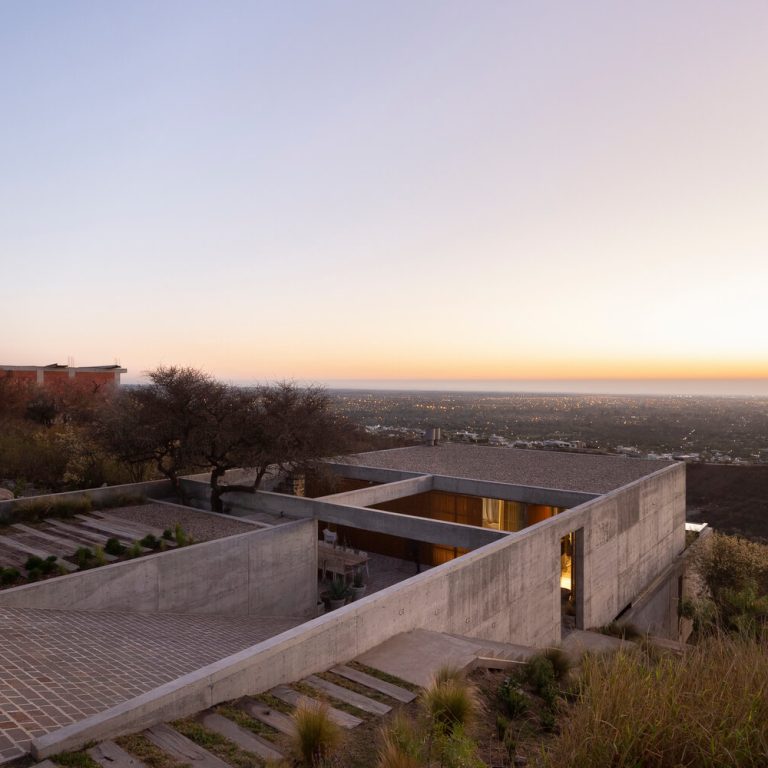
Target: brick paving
{"x": 58, "y": 667}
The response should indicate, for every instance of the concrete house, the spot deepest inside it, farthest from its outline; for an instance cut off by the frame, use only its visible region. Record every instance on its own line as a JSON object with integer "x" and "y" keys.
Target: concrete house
{"x": 493, "y": 545}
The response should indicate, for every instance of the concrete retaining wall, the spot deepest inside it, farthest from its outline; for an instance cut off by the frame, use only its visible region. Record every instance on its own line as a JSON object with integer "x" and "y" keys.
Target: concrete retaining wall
{"x": 267, "y": 572}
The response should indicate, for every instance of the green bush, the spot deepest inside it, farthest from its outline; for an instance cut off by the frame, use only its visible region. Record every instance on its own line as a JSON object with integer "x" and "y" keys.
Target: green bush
{"x": 180, "y": 535}
{"x": 561, "y": 662}
{"x": 9, "y": 576}
{"x": 513, "y": 699}
{"x": 732, "y": 563}
{"x": 150, "y": 542}
{"x": 33, "y": 561}
{"x": 84, "y": 558}
{"x": 114, "y": 547}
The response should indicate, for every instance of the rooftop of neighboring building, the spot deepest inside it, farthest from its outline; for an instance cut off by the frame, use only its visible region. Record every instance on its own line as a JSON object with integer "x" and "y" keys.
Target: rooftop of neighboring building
{"x": 588, "y": 473}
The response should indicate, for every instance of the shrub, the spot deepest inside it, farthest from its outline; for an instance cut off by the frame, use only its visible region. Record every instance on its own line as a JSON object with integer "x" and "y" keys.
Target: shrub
{"x": 9, "y": 576}
{"x": 180, "y": 536}
{"x": 709, "y": 708}
{"x": 539, "y": 673}
{"x": 402, "y": 743}
{"x": 513, "y": 699}
{"x": 98, "y": 556}
{"x": 561, "y": 662}
{"x": 456, "y": 749}
{"x": 114, "y": 547}
{"x": 732, "y": 563}
{"x": 150, "y": 542}
{"x": 501, "y": 727}
{"x": 135, "y": 550}
{"x": 33, "y": 561}
{"x": 316, "y": 736}
{"x": 168, "y": 534}
{"x": 84, "y": 557}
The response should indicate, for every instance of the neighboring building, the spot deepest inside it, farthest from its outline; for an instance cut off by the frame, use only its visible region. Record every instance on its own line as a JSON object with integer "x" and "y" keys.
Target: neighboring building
{"x": 55, "y": 373}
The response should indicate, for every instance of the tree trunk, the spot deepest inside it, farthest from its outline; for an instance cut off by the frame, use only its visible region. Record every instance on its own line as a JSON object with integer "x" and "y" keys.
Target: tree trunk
{"x": 217, "y": 505}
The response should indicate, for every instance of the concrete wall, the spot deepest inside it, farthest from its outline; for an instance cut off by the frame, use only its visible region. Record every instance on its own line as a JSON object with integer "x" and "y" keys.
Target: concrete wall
{"x": 98, "y": 496}
{"x": 629, "y": 537}
{"x": 268, "y": 572}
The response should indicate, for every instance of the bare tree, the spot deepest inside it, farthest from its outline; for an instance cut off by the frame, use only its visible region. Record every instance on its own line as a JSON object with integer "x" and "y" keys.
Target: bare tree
{"x": 184, "y": 420}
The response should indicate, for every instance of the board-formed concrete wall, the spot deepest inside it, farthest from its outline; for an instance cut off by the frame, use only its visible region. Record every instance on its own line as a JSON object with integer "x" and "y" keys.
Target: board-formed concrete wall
{"x": 267, "y": 572}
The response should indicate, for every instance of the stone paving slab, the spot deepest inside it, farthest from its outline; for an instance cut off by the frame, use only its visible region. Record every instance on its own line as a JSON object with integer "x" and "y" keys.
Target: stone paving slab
{"x": 58, "y": 667}
{"x": 182, "y": 749}
{"x": 110, "y": 755}
{"x": 366, "y": 703}
{"x": 246, "y": 740}
{"x": 362, "y": 678}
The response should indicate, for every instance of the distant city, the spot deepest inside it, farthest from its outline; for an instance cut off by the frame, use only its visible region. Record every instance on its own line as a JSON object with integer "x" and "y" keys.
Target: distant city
{"x": 720, "y": 430}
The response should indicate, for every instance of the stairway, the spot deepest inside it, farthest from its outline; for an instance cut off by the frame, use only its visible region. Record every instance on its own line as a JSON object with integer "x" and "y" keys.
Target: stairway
{"x": 259, "y": 726}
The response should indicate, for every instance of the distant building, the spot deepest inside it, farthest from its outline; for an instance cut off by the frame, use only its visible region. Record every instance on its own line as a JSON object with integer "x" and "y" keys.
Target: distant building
{"x": 55, "y": 373}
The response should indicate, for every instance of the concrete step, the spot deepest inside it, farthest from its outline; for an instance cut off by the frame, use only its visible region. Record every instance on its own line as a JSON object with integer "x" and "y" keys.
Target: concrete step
{"x": 45, "y": 764}
{"x": 181, "y": 748}
{"x": 244, "y": 739}
{"x": 271, "y": 717}
{"x": 109, "y": 755}
{"x": 294, "y": 698}
{"x": 364, "y": 703}
{"x": 388, "y": 689}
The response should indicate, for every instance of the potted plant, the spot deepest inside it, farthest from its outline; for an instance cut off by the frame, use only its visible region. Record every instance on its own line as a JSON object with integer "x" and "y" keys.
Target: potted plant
{"x": 338, "y": 592}
{"x": 358, "y": 585}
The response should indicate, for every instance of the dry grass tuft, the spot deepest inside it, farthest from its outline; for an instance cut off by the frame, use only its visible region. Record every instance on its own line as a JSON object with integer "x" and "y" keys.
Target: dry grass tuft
{"x": 451, "y": 702}
{"x": 317, "y": 736}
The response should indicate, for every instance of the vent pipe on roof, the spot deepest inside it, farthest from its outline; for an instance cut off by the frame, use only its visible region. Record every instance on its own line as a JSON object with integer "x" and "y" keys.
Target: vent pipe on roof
{"x": 432, "y": 436}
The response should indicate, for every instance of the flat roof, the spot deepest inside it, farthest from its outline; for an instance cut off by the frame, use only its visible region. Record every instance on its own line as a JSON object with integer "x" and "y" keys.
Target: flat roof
{"x": 588, "y": 473}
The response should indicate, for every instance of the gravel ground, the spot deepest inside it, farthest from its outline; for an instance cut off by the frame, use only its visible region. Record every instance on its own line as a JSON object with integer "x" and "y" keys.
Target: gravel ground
{"x": 201, "y": 526}
{"x": 545, "y": 469}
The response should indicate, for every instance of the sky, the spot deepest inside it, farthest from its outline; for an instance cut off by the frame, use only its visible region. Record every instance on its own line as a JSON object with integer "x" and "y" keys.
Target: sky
{"x": 395, "y": 191}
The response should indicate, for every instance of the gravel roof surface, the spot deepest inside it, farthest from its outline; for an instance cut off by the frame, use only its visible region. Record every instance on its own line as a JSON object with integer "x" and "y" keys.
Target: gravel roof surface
{"x": 588, "y": 473}
{"x": 200, "y": 525}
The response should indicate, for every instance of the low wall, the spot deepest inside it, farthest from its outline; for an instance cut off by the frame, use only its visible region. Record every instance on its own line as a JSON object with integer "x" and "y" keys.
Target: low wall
{"x": 268, "y": 572}
{"x": 98, "y": 496}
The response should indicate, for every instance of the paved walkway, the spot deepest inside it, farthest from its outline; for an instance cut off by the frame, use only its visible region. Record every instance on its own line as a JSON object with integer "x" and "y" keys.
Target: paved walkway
{"x": 415, "y": 656}
{"x": 58, "y": 667}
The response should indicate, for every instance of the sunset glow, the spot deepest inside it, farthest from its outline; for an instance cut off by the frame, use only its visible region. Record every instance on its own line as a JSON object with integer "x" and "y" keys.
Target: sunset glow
{"x": 350, "y": 192}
